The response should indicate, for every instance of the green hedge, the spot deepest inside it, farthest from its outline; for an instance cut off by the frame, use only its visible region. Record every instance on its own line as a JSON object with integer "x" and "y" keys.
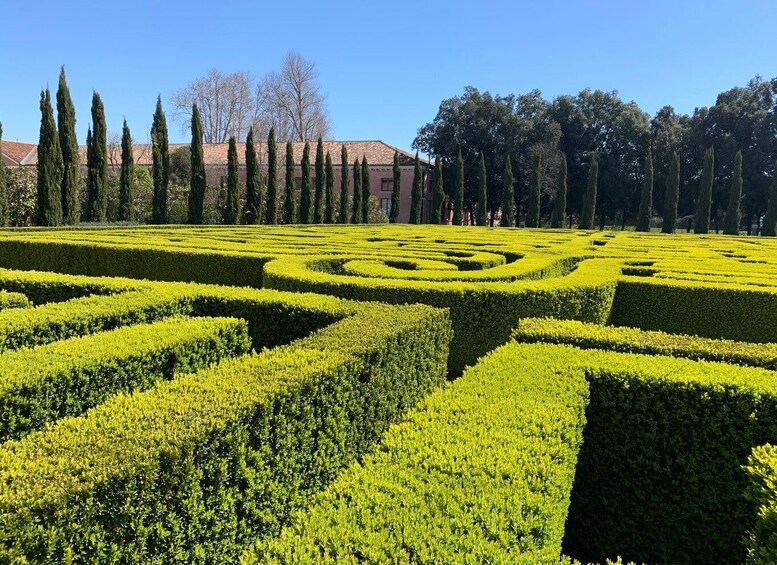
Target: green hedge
{"x": 192, "y": 469}
{"x": 13, "y": 300}
{"x": 163, "y": 263}
{"x": 714, "y": 310}
{"x": 633, "y": 340}
{"x": 483, "y": 314}
{"x": 480, "y": 472}
{"x": 81, "y": 316}
{"x": 42, "y": 287}
{"x": 660, "y": 474}
{"x": 762, "y": 539}
{"x": 42, "y": 384}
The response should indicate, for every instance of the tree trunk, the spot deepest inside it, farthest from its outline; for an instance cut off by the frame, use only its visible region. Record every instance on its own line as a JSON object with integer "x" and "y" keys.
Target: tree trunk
{"x": 601, "y": 221}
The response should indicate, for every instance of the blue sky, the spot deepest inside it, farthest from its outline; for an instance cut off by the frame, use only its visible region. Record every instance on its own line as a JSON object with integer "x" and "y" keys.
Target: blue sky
{"x": 384, "y": 65}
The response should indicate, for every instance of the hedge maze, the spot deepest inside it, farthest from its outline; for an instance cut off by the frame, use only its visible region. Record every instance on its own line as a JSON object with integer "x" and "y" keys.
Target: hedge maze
{"x": 386, "y": 394}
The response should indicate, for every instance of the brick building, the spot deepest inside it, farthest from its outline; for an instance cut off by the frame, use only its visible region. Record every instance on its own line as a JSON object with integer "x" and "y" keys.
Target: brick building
{"x": 379, "y": 154}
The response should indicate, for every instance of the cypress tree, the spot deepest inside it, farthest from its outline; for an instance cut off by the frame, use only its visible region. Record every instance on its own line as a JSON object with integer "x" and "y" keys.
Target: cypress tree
{"x": 330, "y": 214}
{"x": 127, "y": 177}
{"x": 482, "y": 210}
{"x": 533, "y": 205}
{"x": 416, "y": 193}
{"x": 394, "y": 212}
{"x": 458, "y": 193}
{"x": 50, "y": 167}
{"x": 318, "y": 202}
{"x": 733, "y": 213}
{"x": 290, "y": 192}
{"x": 197, "y": 182}
{"x": 343, "y": 216}
{"x": 160, "y": 166}
{"x": 271, "y": 206}
{"x": 231, "y": 214}
{"x": 672, "y": 195}
{"x": 253, "y": 210}
{"x": 68, "y": 142}
{"x": 704, "y": 206}
{"x": 508, "y": 196}
{"x": 438, "y": 195}
{"x": 646, "y": 199}
{"x": 356, "y": 212}
{"x": 305, "y": 201}
{"x": 589, "y": 200}
{"x": 559, "y": 213}
{"x": 3, "y": 186}
{"x": 97, "y": 165}
{"x": 365, "y": 190}
{"x": 770, "y": 221}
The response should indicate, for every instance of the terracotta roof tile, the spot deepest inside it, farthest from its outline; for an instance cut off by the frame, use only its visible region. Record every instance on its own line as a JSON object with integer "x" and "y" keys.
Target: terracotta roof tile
{"x": 17, "y": 152}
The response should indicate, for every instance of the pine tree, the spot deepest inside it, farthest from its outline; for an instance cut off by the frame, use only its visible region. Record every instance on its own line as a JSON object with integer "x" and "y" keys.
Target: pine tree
{"x": 559, "y": 213}
{"x": 533, "y": 205}
{"x": 318, "y": 201}
{"x": 458, "y": 194}
{"x": 733, "y": 213}
{"x": 438, "y": 194}
{"x": 416, "y": 193}
{"x": 231, "y": 214}
{"x": 290, "y": 190}
{"x": 770, "y": 221}
{"x": 271, "y": 206}
{"x": 160, "y": 167}
{"x": 589, "y": 200}
{"x": 127, "y": 177}
{"x": 356, "y": 212}
{"x": 365, "y": 190}
{"x": 68, "y": 142}
{"x": 701, "y": 223}
{"x": 330, "y": 214}
{"x": 508, "y": 196}
{"x": 645, "y": 213}
{"x": 305, "y": 201}
{"x": 344, "y": 205}
{"x": 97, "y": 165}
{"x": 50, "y": 165}
{"x": 395, "y": 187}
{"x": 3, "y": 186}
{"x": 482, "y": 209}
{"x": 197, "y": 182}
{"x": 252, "y": 214}
{"x": 672, "y": 195}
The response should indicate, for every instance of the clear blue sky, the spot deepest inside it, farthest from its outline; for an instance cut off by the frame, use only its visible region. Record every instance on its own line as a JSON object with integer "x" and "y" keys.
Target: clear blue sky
{"x": 384, "y": 65}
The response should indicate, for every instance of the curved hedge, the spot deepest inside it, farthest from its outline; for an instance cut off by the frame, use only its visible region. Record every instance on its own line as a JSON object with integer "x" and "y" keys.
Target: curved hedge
{"x": 13, "y": 300}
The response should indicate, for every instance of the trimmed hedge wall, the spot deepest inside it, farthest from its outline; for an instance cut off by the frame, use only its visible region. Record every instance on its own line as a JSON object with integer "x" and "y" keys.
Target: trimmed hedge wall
{"x": 134, "y": 261}
{"x": 43, "y": 287}
{"x": 633, "y": 340}
{"x": 714, "y": 310}
{"x": 194, "y": 468}
{"x": 65, "y": 378}
{"x": 480, "y": 472}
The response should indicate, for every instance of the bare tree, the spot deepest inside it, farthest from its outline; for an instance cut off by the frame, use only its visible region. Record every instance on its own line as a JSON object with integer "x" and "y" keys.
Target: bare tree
{"x": 292, "y": 101}
{"x": 226, "y": 102}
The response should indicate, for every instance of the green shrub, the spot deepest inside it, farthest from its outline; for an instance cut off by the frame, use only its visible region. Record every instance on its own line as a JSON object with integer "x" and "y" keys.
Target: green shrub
{"x": 480, "y": 472}
{"x": 192, "y": 469}
{"x": 13, "y": 300}
{"x": 42, "y": 287}
{"x": 632, "y": 340}
{"x": 42, "y": 384}
{"x": 762, "y": 538}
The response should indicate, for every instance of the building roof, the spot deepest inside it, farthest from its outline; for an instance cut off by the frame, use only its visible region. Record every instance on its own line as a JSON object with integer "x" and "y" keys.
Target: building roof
{"x": 18, "y": 152}
{"x": 377, "y": 153}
